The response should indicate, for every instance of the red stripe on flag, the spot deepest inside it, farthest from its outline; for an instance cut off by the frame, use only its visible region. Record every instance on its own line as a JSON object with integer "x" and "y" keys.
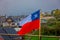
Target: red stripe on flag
{"x": 28, "y": 27}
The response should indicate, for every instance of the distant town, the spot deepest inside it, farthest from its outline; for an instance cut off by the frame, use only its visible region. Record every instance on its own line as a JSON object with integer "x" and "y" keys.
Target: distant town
{"x": 10, "y": 20}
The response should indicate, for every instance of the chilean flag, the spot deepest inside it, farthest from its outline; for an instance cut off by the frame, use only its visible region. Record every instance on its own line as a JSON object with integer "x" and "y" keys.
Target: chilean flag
{"x": 30, "y": 23}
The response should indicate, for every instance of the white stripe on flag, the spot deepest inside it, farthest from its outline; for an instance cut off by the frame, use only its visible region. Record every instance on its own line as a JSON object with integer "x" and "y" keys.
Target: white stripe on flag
{"x": 27, "y": 19}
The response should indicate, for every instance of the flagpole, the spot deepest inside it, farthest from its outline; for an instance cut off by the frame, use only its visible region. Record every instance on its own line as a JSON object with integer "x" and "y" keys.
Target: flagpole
{"x": 40, "y": 28}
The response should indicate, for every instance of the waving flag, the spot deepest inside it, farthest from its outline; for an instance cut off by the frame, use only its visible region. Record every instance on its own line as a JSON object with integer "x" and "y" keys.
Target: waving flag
{"x": 30, "y": 23}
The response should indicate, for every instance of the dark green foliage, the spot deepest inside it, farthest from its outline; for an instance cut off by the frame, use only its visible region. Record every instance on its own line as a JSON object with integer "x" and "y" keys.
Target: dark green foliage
{"x": 52, "y": 27}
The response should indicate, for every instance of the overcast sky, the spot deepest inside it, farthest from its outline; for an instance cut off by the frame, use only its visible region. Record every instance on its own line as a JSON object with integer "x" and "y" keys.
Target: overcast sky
{"x": 19, "y": 7}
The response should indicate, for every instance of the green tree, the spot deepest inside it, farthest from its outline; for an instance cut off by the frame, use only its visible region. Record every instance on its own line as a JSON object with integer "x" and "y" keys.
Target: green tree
{"x": 56, "y": 13}
{"x": 51, "y": 22}
{"x": 53, "y": 25}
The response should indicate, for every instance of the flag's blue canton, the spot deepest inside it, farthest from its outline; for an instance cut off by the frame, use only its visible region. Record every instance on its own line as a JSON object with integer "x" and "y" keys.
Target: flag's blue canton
{"x": 36, "y": 15}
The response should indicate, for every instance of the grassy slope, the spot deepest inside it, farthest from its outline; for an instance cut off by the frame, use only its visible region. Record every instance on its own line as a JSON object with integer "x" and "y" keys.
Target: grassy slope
{"x": 32, "y": 37}
{"x": 44, "y": 38}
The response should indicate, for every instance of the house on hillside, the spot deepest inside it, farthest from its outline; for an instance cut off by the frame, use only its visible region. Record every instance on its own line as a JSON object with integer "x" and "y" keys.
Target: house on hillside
{"x": 9, "y": 22}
